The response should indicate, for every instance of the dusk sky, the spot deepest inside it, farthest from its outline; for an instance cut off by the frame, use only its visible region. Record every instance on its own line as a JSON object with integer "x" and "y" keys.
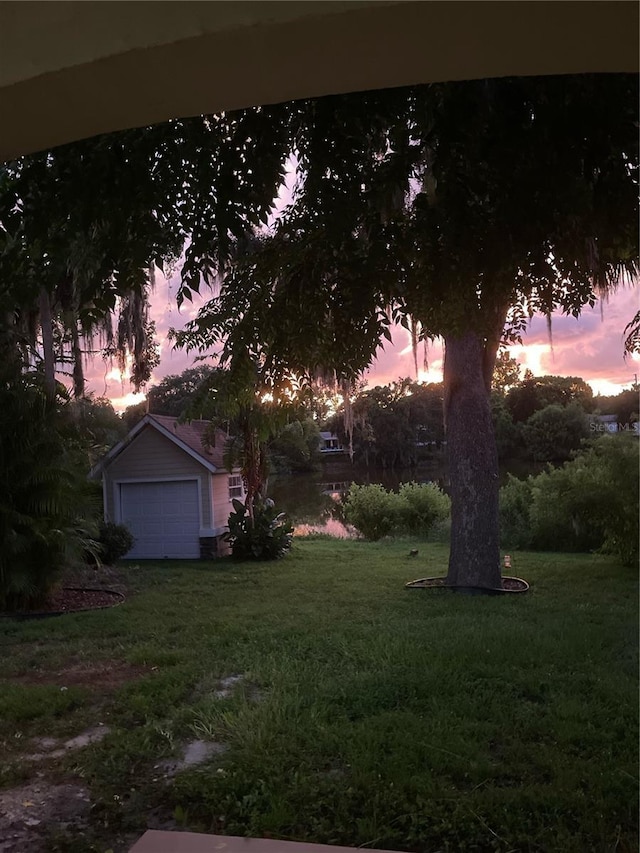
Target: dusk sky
{"x": 590, "y": 347}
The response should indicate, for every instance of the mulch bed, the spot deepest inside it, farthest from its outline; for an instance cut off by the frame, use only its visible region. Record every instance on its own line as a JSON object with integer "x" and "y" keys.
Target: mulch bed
{"x": 81, "y": 588}
{"x": 70, "y": 599}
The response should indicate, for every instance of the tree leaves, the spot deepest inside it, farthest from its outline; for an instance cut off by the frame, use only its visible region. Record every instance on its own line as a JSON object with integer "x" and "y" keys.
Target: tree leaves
{"x": 446, "y": 203}
{"x": 86, "y": 222}
{"x": 451, "y": 204}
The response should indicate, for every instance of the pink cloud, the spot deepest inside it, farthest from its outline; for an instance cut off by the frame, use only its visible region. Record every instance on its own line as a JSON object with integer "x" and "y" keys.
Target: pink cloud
{"x": 590, "y": 346}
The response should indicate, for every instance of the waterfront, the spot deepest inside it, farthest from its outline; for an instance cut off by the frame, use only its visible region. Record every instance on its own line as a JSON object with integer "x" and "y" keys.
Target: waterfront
{"x": 313, "y": 498}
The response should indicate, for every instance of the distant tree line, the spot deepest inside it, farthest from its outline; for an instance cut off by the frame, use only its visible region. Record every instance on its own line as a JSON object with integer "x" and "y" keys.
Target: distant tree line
{"x": 537, "y": 419}
{"x": 395, "y": 425}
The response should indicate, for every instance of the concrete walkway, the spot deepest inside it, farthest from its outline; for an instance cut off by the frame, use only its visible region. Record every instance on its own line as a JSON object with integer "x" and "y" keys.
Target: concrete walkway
{"x": 194, "y": 842}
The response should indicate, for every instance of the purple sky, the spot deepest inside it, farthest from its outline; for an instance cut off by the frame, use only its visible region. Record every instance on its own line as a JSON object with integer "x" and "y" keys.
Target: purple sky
{"x": 590, "y": 347}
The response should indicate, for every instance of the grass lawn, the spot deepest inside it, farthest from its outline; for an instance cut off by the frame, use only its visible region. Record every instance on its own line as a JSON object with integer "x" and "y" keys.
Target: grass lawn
{"x": 369, "y": 715}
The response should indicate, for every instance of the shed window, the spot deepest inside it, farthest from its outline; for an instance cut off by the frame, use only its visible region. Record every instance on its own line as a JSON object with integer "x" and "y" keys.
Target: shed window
{"x": 235, "y": 486}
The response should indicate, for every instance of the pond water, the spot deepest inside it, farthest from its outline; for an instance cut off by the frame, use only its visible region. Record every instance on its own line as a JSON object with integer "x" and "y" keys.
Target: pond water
{"x": 314, "y": 499}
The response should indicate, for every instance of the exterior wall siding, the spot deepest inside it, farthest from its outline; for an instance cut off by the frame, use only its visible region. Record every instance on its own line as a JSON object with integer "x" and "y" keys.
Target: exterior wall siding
{"x": 221, "y": 501}
{"x": 152, "y": 456}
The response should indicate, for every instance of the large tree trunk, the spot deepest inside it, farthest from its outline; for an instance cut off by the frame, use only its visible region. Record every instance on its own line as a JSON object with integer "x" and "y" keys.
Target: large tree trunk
{"x": 474, "y": 560}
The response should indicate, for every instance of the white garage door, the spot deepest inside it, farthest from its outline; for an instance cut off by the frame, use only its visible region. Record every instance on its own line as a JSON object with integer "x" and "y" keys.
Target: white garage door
{"x": 163, "y": 517}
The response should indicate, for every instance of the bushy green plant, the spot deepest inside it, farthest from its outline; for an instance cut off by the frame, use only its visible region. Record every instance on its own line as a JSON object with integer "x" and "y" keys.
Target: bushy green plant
{"x": 590, "y": 503}
{"x": 47, "y": 519}
{"x": 598, "y": 490}
{"x": 372, "y": 510}
{"x": 421, "y": 506}
{"x": 441, "y": 531}
{"x": 515, "y": 513}
{"x": 415, "y": 509}
{"x": 563, "y": 510}
{"x": 615, "y": 462}
{"x": 267, "y": 537}
{"x": 115, "y": 540}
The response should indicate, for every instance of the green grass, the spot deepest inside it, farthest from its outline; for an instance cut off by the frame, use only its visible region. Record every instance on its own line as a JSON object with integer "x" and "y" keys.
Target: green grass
{"x": 371, "y": 715}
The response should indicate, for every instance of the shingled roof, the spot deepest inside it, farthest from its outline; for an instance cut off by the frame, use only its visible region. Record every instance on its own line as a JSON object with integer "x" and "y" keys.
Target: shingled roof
{"x": 193, "y": 435}
{"x": 189, "y": 436}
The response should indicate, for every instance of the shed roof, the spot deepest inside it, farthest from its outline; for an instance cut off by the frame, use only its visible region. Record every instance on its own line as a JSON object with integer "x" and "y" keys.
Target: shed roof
{"x": 193, "y": 435}
{"x": 190, "y": 437}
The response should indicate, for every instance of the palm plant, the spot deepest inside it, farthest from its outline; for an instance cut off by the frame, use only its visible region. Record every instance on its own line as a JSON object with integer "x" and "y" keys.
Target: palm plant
{"x": 46, "y": 517}
{"x": 251, "y": 410}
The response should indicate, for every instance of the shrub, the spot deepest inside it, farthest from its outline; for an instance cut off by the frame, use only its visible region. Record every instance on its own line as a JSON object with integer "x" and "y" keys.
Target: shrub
{"x": 515, "y": 513}
{"x": 441, "y": 531}
{"x": 372, "y": 510}
{"x": 268, "y": 538}
{"x": 605, "y": 483}
{"x": 375, "y": 512}
{"x": 421, "y": 506}
{"x": 115, "y": 540}
{"x": 562, "y": 507}
{"x": 549, "y": 512}
{"x": 590, "y": 503}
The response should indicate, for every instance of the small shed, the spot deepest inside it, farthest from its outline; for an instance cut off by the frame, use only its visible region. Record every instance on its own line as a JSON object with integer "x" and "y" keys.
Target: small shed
{"x": 169, "y": 486}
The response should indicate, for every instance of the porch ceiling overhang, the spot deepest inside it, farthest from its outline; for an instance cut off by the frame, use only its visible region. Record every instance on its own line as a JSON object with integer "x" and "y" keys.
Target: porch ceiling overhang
{"x": 70, "y": 70}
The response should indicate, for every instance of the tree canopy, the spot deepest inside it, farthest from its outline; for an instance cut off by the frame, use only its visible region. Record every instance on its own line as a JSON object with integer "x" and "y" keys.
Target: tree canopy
{"x": 393, "y": 424}
{"x": 174, "y": 394}
{"x": 536, "y": 392}
{"x": 506, "y": 373}
{"x": 457, "y": 209}
{"x": 83, "y": 226}
{"x": 457, "y": 206}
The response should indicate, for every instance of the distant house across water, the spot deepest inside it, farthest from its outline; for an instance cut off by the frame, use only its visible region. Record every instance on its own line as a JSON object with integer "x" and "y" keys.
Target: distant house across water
{"x": 330, "y": 443}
